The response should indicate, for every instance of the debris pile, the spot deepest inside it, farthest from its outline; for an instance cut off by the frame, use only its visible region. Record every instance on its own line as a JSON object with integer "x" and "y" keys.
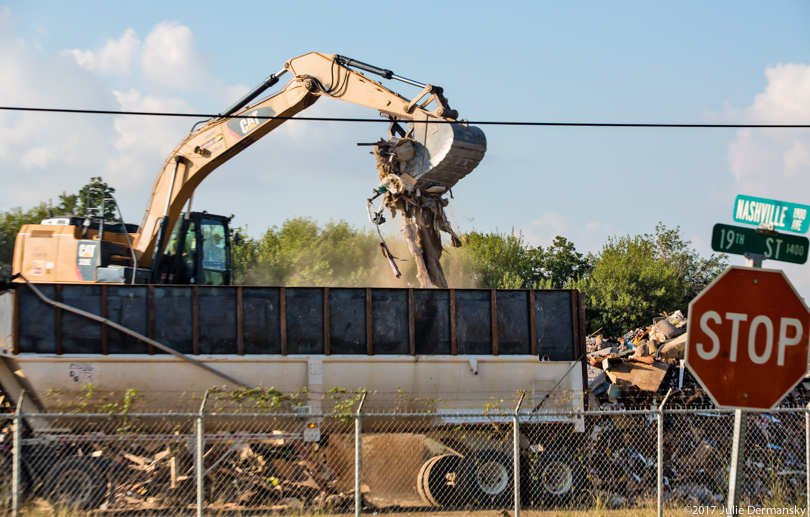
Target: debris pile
{"x": 638, "y": 368}
{"x": 636, "y": 371}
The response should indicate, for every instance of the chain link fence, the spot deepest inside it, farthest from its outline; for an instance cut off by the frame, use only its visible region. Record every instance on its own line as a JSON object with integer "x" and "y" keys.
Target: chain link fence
{"x": 370, "y": 461}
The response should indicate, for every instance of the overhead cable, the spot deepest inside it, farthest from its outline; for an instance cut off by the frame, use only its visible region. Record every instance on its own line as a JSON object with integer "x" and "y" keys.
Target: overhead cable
{"x": 386, "y": 120}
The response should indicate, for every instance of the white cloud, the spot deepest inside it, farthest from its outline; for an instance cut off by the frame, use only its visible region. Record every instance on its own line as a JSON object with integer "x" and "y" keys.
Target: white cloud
{"x": 774, "y": 163}
{"x": 771, "y": 161}
{"x": 115, "y": 58}
{"x": 586, "y": 237}
{"x": 170, "y": 58}
{"x": 141, "y": 143}
{"x": 44, "y": 154}
{"x": 786, "y": 99}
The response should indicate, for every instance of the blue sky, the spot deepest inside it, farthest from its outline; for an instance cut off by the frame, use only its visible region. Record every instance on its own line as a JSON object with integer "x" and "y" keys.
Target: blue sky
{"x": 684, "y": 62}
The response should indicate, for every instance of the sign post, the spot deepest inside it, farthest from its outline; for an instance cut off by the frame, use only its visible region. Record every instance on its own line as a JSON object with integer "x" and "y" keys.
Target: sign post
{"x": 748, "y": 324}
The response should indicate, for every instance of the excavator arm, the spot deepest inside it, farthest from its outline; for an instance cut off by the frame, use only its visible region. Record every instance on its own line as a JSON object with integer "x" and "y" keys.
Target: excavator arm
{"x": 450, "y": 149}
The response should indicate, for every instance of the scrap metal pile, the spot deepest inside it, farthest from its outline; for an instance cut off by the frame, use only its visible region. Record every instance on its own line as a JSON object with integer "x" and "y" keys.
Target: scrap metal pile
{"x": 635, "y": 372}
{"x": 639, "y": 368}
{"x": 417, "y": 169}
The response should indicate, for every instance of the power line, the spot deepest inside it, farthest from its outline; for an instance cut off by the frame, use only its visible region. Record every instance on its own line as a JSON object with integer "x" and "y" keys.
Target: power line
{"x": 378, "y": 120}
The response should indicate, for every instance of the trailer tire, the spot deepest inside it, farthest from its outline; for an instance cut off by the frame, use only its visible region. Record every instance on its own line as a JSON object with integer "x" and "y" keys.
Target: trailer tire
{"x": 437, "y": 481}
{"x": 77, "y": 482}
{"x": 555, "y": 477}
{"x": 420, "y": 482}
{"x": 489, "y": 477}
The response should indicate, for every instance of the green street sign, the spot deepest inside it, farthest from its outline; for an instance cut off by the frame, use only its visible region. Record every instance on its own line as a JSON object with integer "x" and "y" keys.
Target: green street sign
{"x": 739, "y": 240}
{"x": 790, "y": 217}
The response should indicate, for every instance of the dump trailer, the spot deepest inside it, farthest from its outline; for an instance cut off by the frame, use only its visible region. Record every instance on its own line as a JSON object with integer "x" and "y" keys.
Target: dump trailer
{"x": 448, "y": 344}
{"x": 450, "y": 350}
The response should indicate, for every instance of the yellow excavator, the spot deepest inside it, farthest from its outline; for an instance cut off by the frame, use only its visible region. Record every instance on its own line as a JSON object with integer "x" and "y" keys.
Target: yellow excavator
{"x": 183, "y": 247}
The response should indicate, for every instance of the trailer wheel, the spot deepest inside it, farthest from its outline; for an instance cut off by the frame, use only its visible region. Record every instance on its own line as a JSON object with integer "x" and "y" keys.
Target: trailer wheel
{"x": 488, "y": 477}
{"x": 420, "y": 481}
{"x": 436, "y": 482}
{"x": 77, "y": 482}
{"x": 555, "y": 477}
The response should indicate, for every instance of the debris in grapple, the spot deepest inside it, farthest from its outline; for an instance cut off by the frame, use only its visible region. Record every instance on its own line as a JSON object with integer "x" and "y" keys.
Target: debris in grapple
{"x": 387, "y": 254}
{"x": 417, "y": 168}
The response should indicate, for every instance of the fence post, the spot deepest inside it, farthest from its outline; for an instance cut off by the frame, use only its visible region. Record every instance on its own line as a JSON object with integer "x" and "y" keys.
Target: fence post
{"x": 807, "y": 455}
{"x": 516, "y": 452}
{"x": 199, "y": 465}
{"x": 358, "y": 443}
{"x": 660, "y": 484}
{"x": 737, "y": 455}
{"x": 16, "y": 457}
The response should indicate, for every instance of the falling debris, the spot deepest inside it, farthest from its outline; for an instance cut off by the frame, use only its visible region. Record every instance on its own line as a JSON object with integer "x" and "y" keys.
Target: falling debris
{"x": 421, "y": 268}
{"x": 417, "y": 169}
{"x": 387, "y": 254}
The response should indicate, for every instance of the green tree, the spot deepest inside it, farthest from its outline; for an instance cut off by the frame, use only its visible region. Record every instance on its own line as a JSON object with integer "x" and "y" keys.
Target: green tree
{"x": 495, "y": 261}
{"x": 635, "y": 279}
{"x": 694, "y": 271}
{"x": 88, "y": 201}
{"x": 562, "y": 265}
{"x": 303, "y": 253}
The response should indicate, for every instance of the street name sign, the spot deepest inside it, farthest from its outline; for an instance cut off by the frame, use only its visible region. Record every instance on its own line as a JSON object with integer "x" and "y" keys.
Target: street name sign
{"x": 749, "y": 338}
{"x": 740, "y": 240}
{"x": 790, "y": 217}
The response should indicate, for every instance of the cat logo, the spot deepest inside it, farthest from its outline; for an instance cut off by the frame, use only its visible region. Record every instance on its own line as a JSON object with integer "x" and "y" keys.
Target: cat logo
{"x": 240, "y": 127}
{"x": 87, "y": 250}
{"x": 246, "y": 124}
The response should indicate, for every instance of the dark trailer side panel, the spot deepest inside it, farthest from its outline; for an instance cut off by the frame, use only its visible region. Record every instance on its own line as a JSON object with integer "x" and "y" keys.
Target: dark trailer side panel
{"x": 302, "y": 320}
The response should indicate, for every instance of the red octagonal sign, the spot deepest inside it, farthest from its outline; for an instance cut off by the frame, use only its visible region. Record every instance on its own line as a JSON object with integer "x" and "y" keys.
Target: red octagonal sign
{"x": 749, "y": 338}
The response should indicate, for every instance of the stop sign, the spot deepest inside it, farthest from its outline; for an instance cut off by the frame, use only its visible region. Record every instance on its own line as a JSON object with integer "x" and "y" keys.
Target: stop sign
{"x": 749, "y": 338}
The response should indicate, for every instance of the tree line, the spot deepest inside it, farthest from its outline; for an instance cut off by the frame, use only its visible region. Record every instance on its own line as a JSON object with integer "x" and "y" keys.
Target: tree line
{"x": 631, "y": 280}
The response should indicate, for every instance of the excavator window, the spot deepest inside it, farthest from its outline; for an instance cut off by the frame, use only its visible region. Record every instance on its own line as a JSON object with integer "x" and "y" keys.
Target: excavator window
{"x": 189, "y": 252}
{"x": 198, "y": 251}
{"x": 215, "y": 253}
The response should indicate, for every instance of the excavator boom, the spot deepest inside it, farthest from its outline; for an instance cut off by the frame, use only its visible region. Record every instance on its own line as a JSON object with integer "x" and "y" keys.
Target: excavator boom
{"x": 442, "y": 151}
{"x": 450, "y": 149}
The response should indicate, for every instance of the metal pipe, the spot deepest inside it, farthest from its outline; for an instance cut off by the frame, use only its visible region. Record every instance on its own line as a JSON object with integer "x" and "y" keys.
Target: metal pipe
{"x": 807, "y": 455}
{"x": 134, "y": 334}
{"x": 737, "y": 450}
{"x": 177, "y": 161}
{"x": 383, "y": 72}
{"x": 126, "y": 234}
{"x": 199, "y": 465}
{"x": 16, "y": 457}
{"x": 255, "y": 92}
{"x": 408, "y": 81}
{"x": 516, "y": 452}
{"x": 163, "y": 228}
{"x": 754, "y": 260}
{"x": 660, "y": 443}
{"x": 358, "y": 493}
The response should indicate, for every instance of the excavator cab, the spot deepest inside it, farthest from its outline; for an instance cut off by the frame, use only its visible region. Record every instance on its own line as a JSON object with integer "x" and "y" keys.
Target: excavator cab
{"x": 199, "y": 251}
